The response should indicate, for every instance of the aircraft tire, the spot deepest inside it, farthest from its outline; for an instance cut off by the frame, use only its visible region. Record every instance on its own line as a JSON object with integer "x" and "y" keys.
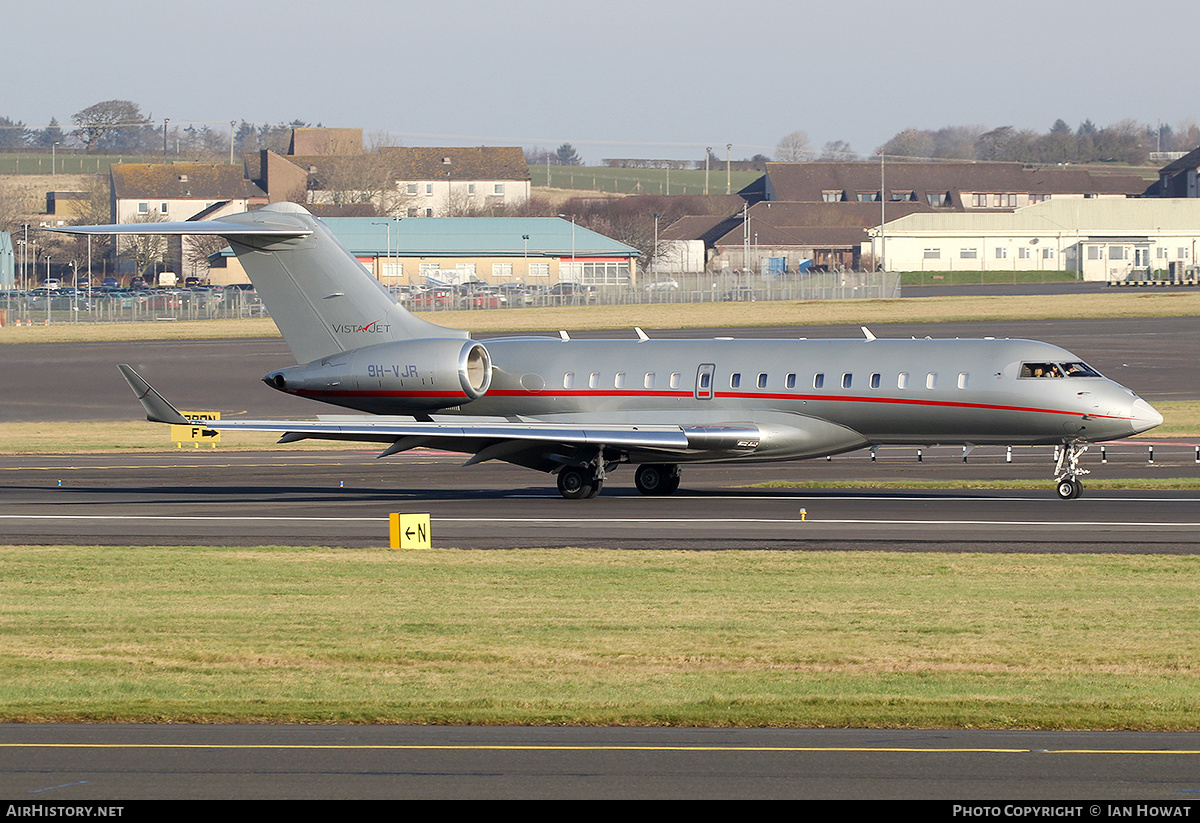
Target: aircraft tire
{"x": 650, "y": 478}
{"x": 1069, "y": 489}
{"x": 577, "y": 484}
{"x": 658, "y": 479}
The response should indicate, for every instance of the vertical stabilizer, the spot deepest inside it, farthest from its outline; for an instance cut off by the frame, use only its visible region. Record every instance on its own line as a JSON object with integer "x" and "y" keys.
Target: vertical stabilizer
{"x": 320, "y": 296}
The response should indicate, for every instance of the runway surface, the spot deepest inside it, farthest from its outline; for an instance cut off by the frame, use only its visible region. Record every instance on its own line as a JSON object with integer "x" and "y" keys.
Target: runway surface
{"x": 63, "y": 765}
{"x": 343, "y": 498}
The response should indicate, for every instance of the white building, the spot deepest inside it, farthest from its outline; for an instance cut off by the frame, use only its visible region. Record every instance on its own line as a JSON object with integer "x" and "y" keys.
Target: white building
{"x": 1096, "y": 238}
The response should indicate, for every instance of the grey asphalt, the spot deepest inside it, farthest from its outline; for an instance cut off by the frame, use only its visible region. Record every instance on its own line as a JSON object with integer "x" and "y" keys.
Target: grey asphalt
{"x": 1054, "y": 773}
{"x": 343, "y": 498}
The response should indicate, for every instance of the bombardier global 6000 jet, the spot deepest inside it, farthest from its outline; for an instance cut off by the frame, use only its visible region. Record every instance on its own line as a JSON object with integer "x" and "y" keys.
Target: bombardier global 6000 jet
{"x": 580, "y": 408}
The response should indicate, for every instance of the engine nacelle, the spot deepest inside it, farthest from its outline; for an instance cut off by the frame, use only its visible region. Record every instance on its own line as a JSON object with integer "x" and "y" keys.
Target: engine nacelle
{"x": 394, "y": 378}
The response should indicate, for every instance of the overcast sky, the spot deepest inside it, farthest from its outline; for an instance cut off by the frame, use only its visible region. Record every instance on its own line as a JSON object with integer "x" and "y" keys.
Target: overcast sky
{"x": 615, "y": 79}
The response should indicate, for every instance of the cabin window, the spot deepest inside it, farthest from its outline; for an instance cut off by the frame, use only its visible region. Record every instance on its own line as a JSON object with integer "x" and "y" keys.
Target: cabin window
{"x": 762, "y": 380}
{"x": 569, "y": 380}
{"x": 902, "y": 380}
{"x": 594, "y": 380}
{"x": 847, "y": 379}
{"x": 818, "y": 381}
{"x": 791, "y": 380}
{"x": 648, "y": 380}
{"x": 676, "y": 379}
{"x": 875, "y": 379}
{"x": 931, "y": 380}
{"x": 619, "y": 380}
{"x": 705, "y": 379}
{"x": 962, "y": 379}
{"x": 735, "y": 380}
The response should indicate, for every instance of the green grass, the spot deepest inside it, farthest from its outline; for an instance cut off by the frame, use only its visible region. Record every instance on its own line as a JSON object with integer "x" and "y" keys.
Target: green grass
{"x": 977, "y": 278}
{"x": 638, "y": 181}
{"x": 599, "y": 637}
{"x": 64, "y": 163}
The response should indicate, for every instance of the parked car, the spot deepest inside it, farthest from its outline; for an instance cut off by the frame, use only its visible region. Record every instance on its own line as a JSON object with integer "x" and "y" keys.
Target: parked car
{"x": 662, "y": 285}
{"x": 439, "y": 298}
{"x": 481, "y": 300}
{"x": 739, "y": 293}
{"x": 572, "y": 293}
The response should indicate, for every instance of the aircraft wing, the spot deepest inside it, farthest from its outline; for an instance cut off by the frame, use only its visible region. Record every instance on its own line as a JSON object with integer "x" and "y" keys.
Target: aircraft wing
{"x": 535, "y": 443}
{"x": 268, "y": 226}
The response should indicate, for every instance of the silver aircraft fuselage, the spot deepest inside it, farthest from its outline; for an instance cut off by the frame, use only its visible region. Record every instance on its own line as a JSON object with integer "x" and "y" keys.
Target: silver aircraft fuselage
{"x": 807, "y": 397}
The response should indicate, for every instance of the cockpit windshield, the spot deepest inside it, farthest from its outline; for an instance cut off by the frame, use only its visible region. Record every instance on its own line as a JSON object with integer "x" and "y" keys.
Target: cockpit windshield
{"x": 1072, "y": 369}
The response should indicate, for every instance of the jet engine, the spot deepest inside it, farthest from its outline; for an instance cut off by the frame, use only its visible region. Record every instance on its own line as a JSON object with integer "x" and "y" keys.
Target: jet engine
{"x": 394, "y": 378}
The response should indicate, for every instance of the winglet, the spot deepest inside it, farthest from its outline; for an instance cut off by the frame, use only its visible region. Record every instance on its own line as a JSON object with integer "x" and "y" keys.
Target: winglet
{"x": 867, "y": 333}
{"x": 158, "y": 410}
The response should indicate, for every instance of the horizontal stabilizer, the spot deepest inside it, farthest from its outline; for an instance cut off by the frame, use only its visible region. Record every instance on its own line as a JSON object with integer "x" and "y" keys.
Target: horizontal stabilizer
{"x": 158, "y": 410}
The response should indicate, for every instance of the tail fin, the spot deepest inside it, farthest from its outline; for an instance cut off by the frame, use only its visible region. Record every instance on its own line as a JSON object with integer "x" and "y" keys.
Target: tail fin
{"x": 319, "y": 295}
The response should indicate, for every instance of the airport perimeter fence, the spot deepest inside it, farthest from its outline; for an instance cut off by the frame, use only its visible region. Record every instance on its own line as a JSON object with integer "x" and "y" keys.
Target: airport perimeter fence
{"x": 672, "y": 288}
{"x": 130, "y": 307}
{"x": 158, "y": 305}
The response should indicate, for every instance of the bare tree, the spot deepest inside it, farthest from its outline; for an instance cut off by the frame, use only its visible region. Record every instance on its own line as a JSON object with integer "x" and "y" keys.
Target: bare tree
{"x": 912, "y": 143}
{"x": 793, "y": 148}
{"x": 113, "y": 124}
{"x": 197, "y": 248}
{"x": 369, "y": 177}
{"x": 145, "y": 250}
{"x": 14, "y": 206}
{"x": 838, "y": 150}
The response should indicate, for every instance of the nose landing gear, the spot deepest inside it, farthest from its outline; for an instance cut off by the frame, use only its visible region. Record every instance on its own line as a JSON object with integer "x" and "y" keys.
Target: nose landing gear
{"x": 1067, "y": 470}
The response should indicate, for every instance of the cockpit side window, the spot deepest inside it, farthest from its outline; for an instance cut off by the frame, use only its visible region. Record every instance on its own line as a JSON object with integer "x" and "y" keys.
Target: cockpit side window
{"x": 1078, "y": 369}
{"x": 1040, "y": 370}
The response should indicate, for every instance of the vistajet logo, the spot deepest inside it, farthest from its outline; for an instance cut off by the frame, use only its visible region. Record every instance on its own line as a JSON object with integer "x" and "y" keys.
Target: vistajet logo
{"x": 377, "y": 327}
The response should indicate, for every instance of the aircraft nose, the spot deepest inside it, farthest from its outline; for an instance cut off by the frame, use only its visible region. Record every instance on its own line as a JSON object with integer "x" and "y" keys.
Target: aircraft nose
{"x": 1143, "y": 416}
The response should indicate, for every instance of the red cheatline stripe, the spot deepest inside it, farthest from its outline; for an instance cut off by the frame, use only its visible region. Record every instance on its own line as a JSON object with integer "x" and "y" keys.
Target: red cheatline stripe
{"x": 730, "y": 395}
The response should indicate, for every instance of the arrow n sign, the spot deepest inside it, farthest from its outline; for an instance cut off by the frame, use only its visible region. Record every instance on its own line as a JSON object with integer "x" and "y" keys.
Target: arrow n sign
{"x": 409, "y": 531}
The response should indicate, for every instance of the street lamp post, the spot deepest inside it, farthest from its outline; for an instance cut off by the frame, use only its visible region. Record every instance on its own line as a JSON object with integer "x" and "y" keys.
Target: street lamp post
{"x": 728, "y": 167}
{"x": 654, "y": 260}
{"x": 572, "y": 219}
{"x": 707, "y": 154}
{"x": 387, "y": 260}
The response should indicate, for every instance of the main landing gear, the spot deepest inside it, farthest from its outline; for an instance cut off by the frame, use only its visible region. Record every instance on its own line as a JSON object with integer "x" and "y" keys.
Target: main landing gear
{"x": 579, "y": 482}
{"x": 1067, "y": 471}
{"x": 583, "y": 482}
{"x": 657, "y": 478}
